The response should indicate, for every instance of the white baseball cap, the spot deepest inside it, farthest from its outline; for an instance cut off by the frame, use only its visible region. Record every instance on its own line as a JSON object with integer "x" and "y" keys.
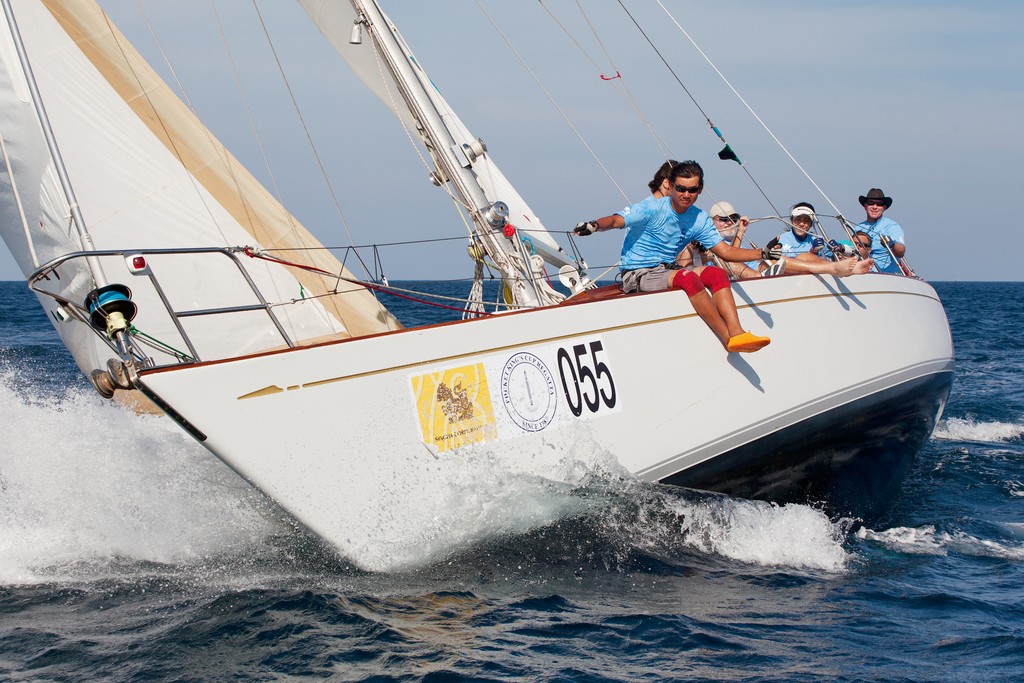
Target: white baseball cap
{"x": 802, "y": 211}
{"x": 721, "y": 209}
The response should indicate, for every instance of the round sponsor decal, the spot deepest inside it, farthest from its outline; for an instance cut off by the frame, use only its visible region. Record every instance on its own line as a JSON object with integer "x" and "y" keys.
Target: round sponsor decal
{"x": 528, "y": 392}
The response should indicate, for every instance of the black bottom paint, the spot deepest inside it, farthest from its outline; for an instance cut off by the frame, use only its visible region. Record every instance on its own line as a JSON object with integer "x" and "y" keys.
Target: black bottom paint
{"x": 852, "y": 459}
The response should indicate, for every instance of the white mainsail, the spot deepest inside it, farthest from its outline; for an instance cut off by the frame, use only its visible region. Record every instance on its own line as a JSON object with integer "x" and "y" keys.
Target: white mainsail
{"x": 148, "y": 175}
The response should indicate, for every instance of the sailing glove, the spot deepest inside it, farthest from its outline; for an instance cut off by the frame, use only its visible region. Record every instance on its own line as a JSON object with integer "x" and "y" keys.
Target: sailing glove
{"x": 817, "y": 243}
{"x": 584, "y": 228}
{"x": 835, "y": 247}
{"x": 772, "y": 251}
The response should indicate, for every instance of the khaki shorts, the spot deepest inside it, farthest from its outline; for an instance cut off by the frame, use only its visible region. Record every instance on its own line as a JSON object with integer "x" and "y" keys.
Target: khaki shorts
{"x": 653, "y": 279}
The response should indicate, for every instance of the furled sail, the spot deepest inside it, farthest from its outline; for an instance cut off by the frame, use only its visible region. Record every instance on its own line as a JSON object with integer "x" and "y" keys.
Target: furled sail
{"x": 336, "y": 20}
{"x": 148, "y": 175}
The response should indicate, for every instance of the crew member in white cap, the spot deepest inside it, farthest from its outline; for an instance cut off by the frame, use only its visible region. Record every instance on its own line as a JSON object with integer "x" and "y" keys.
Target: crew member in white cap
{"x": 799, "y": 240}
{"x": 731, "y": 227}
{"x": 802, "y": 253}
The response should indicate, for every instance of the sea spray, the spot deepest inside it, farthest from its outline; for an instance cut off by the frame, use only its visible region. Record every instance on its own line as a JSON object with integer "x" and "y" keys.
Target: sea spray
{"x": 969, "y": 429}
{"x": 85, "y": 480}
{"x": 668, "y": 521}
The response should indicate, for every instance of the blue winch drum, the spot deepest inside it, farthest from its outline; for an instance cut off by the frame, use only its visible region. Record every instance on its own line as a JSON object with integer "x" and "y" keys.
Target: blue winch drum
{"x": 110, "y": 299}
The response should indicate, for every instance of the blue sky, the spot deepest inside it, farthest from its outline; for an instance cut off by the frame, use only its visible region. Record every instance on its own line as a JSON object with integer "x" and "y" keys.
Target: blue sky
{"x": 923, "y": 99}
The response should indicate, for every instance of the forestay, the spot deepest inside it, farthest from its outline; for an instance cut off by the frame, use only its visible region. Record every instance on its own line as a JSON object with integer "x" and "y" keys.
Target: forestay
{"x": 336, "y": 21}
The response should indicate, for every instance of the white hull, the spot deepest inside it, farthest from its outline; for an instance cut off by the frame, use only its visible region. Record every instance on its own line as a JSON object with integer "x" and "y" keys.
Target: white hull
{"x": 329, "y": 431}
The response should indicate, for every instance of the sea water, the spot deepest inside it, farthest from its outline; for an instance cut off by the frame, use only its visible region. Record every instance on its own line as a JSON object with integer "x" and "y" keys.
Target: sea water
{"x": 127, "y": 552}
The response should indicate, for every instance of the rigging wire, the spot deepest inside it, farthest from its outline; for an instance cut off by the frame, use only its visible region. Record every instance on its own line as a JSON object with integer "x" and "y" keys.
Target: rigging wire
{"x": 145, "y": 92}
{"x": 243, "y": 199}
{"x": 626, "y": 94}
{"x": 252, "y": 120}
{"x": 551, "y": 98}
{"x": 431, "y": 167}
{"x": 692, "y": 98}
{"x": 229, "y": 167}
{"x": 749, "y": 108}
{"x": 305, "y": 129}
{"x": 458, "y": 203}
{"x": 461, "y": 207}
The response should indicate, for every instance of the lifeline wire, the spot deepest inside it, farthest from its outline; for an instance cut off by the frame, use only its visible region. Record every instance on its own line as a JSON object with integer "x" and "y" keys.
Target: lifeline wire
{"x": 393, "y": 291}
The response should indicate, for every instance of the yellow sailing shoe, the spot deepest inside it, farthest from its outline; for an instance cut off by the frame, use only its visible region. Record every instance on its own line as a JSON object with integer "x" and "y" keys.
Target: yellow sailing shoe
{"x": 747, "y": 343}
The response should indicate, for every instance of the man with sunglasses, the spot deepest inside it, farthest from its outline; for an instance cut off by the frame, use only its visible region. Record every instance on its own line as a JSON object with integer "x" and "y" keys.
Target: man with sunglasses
{"x": 862, "y": 244}
{"x": 658, "y": 230}
{"x": 886, "y": 234}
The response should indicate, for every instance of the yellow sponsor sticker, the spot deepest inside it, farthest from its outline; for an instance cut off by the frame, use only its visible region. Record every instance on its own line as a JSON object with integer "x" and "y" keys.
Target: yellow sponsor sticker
{"x": 454, "y": 407}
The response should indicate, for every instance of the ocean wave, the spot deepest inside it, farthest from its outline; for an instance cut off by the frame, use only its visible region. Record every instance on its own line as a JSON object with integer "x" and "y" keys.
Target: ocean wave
{"x": 755, "y": 532}
{"x": 968, "y": 429}
{"x": 928, "y": 540}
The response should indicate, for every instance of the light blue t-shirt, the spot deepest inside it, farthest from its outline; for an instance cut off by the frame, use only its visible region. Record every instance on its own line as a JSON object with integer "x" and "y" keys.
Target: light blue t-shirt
{"x": 793, "y": 245}
{"x": 891, "y": 229}
{"x": 656, "y": 233}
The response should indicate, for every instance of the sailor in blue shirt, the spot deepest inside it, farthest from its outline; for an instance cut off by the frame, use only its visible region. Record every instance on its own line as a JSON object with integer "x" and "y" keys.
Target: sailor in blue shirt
{"x": 882, "y": 229}
{"x": 658, "y": 229}
{"x": 803, "y": 253}
{"x": 799, "y": 240}
{"x": 656, "y": 233}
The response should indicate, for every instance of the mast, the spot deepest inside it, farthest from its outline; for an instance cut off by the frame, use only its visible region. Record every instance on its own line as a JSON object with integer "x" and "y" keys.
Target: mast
{"x": 452, "y": 158}
{"x": 51, "y": 143}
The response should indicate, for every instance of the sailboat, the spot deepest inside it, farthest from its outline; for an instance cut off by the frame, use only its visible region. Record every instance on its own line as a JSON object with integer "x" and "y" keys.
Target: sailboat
{"x": 170, "y": 273}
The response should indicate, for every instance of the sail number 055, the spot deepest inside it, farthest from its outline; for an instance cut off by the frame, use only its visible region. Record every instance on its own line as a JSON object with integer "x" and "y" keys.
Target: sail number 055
{"x": 586, "y": 380}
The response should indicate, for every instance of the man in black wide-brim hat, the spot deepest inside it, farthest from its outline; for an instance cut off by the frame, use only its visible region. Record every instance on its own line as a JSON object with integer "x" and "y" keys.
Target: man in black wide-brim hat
{"x": 883, "y": 231}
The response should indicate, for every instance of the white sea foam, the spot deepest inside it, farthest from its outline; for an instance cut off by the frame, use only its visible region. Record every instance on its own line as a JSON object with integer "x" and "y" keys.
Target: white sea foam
{"x": 82, "y": 480}
{"x": 958, "y": 429}
{"x": 429, "y": 511}
{"x": 85, "y": 481}
{"x": 762, "y": 533}
{"x": 928, "y": 540}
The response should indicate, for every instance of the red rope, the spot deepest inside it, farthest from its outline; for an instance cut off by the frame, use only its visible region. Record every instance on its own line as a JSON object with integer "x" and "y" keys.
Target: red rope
{"x": 248, "y": 251}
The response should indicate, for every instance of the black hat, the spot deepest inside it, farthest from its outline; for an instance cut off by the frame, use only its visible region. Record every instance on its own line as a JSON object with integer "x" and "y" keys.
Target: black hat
{"x": 875, "y": 193}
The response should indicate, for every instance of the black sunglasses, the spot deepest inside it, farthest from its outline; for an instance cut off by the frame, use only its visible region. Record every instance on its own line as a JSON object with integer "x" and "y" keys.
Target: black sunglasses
{"x": 866, "y": 245}
{"x": 731, "y": 219}
{"x": 874, "y": 203}
{"x": 688, "y": 190}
